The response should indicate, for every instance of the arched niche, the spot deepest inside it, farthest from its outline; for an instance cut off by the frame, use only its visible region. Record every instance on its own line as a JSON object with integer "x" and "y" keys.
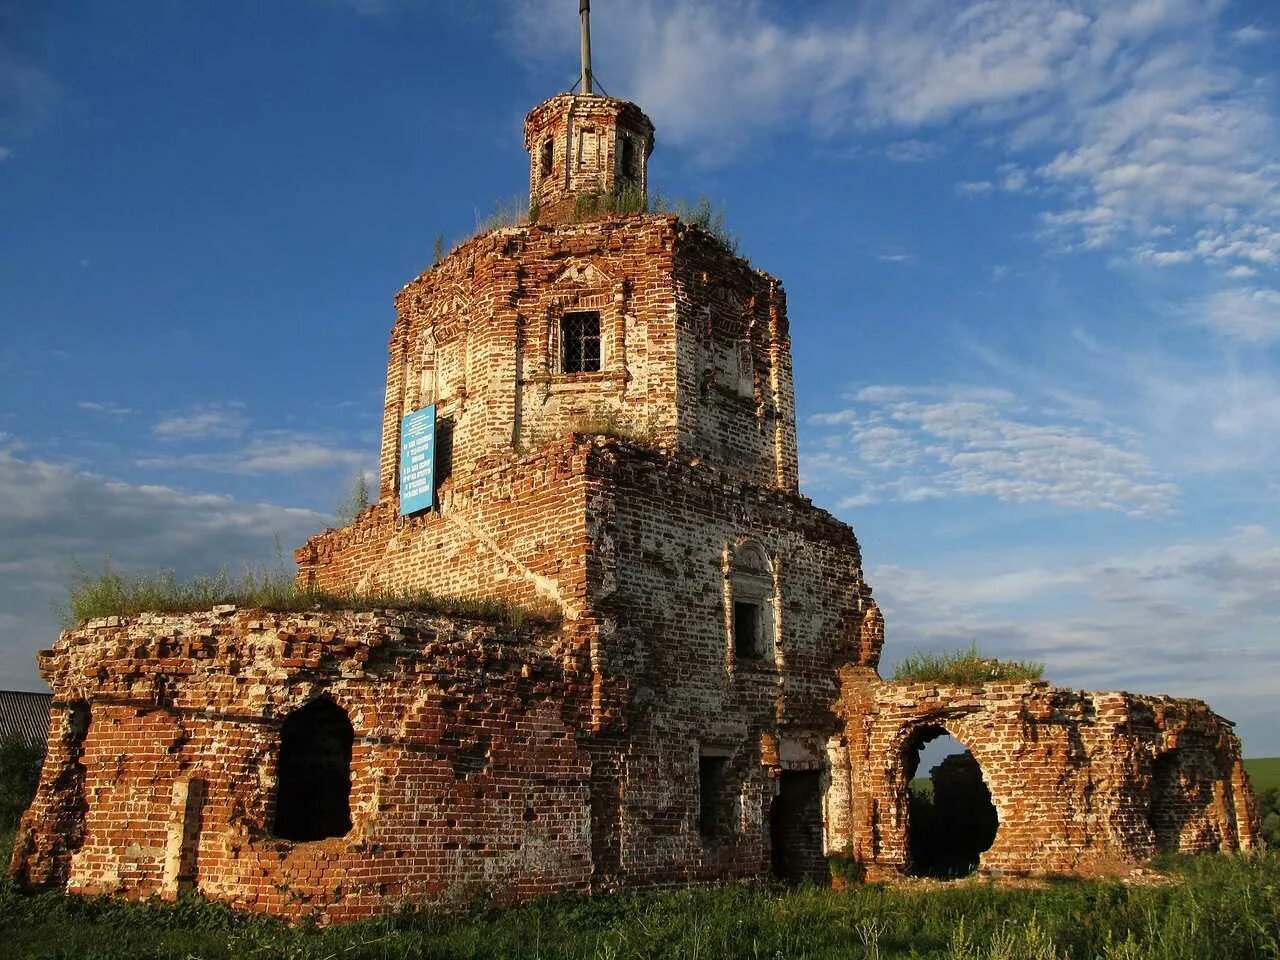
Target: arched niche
{"x": 313, "y": 795}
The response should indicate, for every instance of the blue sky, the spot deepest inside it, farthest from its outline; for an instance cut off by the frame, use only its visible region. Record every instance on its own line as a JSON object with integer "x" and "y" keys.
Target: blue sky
{"x": 1031, "y": 250}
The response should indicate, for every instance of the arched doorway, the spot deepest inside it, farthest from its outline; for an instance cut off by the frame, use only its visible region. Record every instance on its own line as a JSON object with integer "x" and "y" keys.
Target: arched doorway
{"x": 950, "y": 819}
{"x": 313, "y": 797}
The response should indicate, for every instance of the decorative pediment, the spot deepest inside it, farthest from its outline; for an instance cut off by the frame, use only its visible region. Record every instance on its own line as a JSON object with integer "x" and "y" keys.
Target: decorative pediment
{"x": 449, "y": 315}
{"x": 581, "y": 274}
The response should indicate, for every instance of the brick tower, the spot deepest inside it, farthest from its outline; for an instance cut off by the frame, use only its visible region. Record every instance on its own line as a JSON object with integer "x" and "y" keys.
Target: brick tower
{"x": 615, "y": 424}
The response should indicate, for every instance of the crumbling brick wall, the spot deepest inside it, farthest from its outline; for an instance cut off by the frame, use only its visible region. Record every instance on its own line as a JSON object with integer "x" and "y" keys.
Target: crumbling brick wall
{"x": 1076, "y": 778}
{"x": 640, "y": 546}
{"x": 695, "y": 349}
{"x": 467, "y": 774}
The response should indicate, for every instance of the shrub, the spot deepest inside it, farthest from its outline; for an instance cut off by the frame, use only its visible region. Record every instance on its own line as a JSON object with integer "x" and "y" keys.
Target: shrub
{"x": 20, "y": 761}
{"x": 1269, "y": 812}
{"x": 963, "y": 668}
{"x": 113, "y": 594}
{"x": 699, "y": 214}
{"x": 511, "y": 212}
{"x": 350, "y": 506}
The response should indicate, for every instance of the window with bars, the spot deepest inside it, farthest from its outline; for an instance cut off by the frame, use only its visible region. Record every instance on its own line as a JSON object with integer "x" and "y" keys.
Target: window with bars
{"x": 580, "y": 342}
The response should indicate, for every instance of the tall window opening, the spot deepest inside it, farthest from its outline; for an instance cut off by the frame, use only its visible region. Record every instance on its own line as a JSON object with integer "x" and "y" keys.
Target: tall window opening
{"x": 713, "y": 820}
{"x": 628, "y": 163}
{"x": 314, "y": 794}
{"x": 548, "y": 156}
{"x": 746, "y": 630}
{"x": 749, "y": 600}
{"x": 580, "y": 342}
{"x": 950, "y": 817}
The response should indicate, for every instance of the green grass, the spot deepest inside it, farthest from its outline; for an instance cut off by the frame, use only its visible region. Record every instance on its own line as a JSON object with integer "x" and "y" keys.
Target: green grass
{"x": 114, "y": 594}
{"x": 963, "y": 668}
{"x": 1226, "y": 908}
{"x": 1264, "y": 772}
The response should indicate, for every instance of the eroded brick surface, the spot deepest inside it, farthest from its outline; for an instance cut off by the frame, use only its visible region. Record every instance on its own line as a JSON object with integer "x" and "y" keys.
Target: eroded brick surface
{"x": 1081, "y": 781}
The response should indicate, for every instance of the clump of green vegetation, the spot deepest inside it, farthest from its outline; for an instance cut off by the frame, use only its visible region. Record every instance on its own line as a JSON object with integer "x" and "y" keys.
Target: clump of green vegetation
{"x": 114, "y": 594}
{"x": 963, "y": 668}
{"x": 626, "y": 200}
{"x": 621, "y": 201}
{"x": 350, "y": 506}
{"x": 20, "y": 761}
{"x": 699, "y": 214}
{"x": 511, "y": 212}
{"x": 1269, "y": 814}
{"x": 604, "y": 421}
{"x": 1223, "y": 907}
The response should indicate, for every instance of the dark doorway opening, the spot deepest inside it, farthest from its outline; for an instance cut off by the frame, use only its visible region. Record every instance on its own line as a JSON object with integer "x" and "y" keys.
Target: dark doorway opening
{"x": 795, "y": 828}
{"x": 314, "y": 796}
{"x": 1171, "y": 807}
{"x": 951, "y": 819}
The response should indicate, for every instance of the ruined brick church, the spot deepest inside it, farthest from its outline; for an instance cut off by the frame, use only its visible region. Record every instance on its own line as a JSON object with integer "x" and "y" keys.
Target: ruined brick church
{"x": 613, "y": 426}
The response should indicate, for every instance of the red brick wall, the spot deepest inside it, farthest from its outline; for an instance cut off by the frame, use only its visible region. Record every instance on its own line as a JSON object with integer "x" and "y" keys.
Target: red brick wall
{"x": 467, "y": 772}
{"x": 1070, "y": 773}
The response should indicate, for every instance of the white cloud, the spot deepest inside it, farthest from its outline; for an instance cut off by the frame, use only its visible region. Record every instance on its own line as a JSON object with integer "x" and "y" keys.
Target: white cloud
{"x": 1195, "y": 618}
{"x": 1251, "y": 314}
{"x": 269, "y": 452}
{"x": 5, "y": 153}
{"x": 54, "y": 517}
{"x": 1249, "y": 34}
{"x": 908, "y": 444}
{"x": 203, "y": 422}
{"x": 911, "y": 151}
{"x": 106, "y": 407}
{"x": 1149, "y": 120}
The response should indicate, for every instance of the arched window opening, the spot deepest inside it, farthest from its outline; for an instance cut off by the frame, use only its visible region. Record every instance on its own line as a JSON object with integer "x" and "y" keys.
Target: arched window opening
{"x": 629, "y": 172}
{"x": 548, "y": 154}
{"x": 950, "y": 819}
{"x": 313, "y": 800}
{"x": 750, "y": 603}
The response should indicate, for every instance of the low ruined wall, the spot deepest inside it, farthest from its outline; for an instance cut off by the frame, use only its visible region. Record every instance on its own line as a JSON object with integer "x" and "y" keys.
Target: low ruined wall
{"x": 1081, "y": 782}
{"x": 466, "y": 773}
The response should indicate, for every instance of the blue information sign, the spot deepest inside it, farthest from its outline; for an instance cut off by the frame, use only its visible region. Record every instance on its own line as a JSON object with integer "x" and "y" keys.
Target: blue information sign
{"x": 418, "y": 461}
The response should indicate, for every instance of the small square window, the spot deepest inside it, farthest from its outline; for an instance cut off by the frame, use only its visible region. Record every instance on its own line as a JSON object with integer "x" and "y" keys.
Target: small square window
{"x": 712, "y": 817}
{"x": 580, "y": 342}
{"x": 746, "y": 630}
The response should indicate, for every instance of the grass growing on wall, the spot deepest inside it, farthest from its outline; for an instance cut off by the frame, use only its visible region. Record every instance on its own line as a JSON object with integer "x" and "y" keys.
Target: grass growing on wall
{"x": 963, "y": 668}
{"x": 1226, "y": 908}
{"x": 115, "y": 594}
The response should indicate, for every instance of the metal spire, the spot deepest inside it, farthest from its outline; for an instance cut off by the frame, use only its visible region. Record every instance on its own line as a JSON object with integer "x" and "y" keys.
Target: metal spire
{"x": 584, "y": 14}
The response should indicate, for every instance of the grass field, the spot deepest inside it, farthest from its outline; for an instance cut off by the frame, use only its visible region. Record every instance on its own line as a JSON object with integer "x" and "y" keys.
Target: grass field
{"x": 1226, "y": 908}
{"x": 1263, "y": 772}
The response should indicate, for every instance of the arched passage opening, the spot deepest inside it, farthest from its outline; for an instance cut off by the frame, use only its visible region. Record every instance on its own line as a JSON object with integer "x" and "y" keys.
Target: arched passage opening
{"x": 950, "y": 818}
{"x": 313, "y": 800}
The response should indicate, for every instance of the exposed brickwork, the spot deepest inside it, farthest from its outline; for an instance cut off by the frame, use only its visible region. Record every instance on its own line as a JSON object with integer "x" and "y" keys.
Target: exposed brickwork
{"x": 1073, "y": 775}
{"x": 709, "y": 707}
{"x": 466, "y": 775}
{"x": 582, "y": 145}
{"x": 695, "y": 347}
